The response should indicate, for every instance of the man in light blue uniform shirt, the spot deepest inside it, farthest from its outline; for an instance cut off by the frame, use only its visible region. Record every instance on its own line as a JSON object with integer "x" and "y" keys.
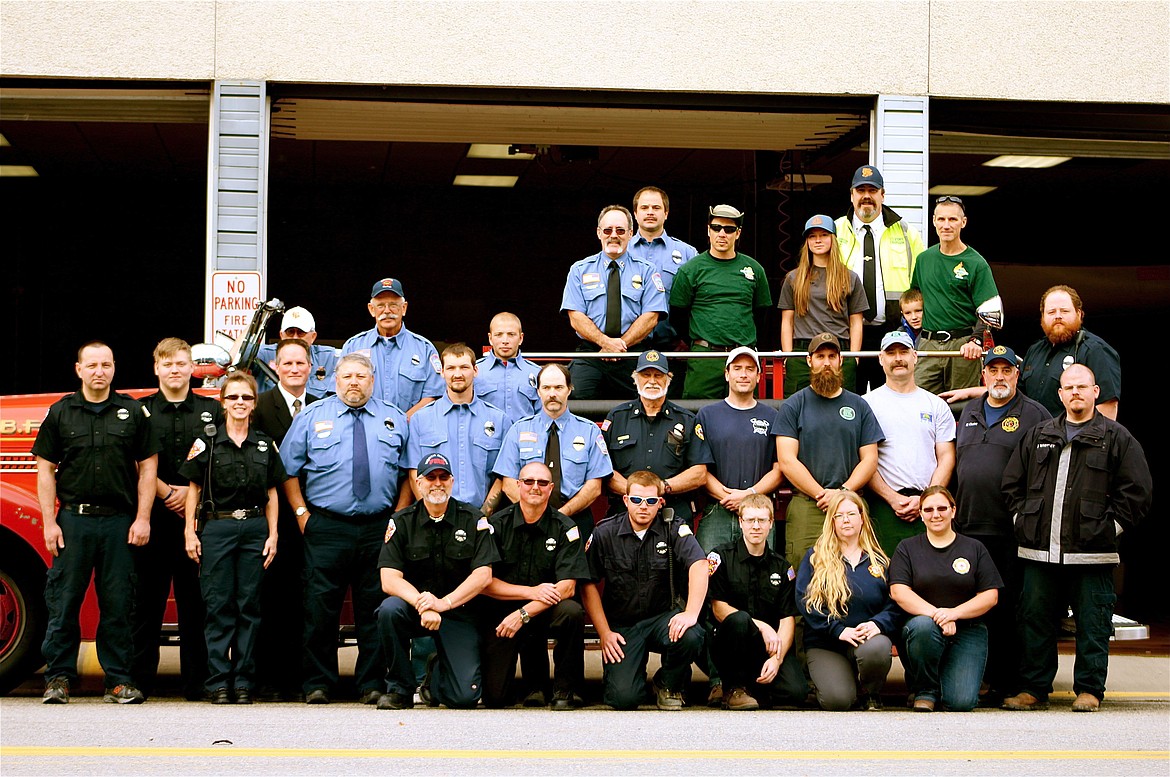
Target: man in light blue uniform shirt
{"x": 406, "y": 365}
{"x": 462, "y": 427}
{"x": 350, "y": 490}
{"x": 666, "y": 253}
{"x": 578, "y": 464}
{"x": 299, "y": 324}
{"x": 505, "y": 378}
{"x": 604, "y": 323}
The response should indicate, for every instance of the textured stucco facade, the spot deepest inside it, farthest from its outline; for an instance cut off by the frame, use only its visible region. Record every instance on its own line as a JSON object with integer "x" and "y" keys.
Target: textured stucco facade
{"x": 995, "y": 49}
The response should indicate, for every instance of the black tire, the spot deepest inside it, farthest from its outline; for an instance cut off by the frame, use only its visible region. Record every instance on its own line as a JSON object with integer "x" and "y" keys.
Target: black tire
{"x": 22, "y": 616}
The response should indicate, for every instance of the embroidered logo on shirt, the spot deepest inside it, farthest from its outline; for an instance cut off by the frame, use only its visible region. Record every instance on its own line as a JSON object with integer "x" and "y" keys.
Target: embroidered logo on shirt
{"x": 262, "y": 446}
{"x": 748, "y": 273}
{"x": 660, "y": 548}
{"x": 760, "y": 426}
{"x": 961, "y": 565}
{"x": 774, "y": 578}
{"x": 713, "y": 562}
{"x": 875, "y": 571}
{"x": 847, "y": 413}
{"x": 123, "y": 414}
{"x": 460, "y": 535}
{"x": 550, "y": 544}
{"x": 960, "y": 272}
{"x": 206, "y": 417}
{"x": 1010, "y": 424}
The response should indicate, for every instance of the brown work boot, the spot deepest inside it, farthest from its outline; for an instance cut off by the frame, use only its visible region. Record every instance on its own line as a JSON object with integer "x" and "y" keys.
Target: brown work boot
{"x": 1086, "y": 702}
{"x": 739, "y": 699}
{"x": 923, "y": 705}
{"x": 715, "y": 697}
{"x": 1024, "y": 701}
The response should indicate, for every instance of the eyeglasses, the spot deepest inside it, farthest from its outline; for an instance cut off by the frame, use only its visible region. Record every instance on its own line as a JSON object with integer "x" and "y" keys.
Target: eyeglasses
{"x": 442, "y": 477}
{"x": 387, "y": 305}
{"x": 238, "y": 397}
{"x": 755, "y": 521}
{"x": 611, "y": 230}
{"x": 649, "y": 500}
{"x": 535, "y": 482}
{"x": 728, "y": 228}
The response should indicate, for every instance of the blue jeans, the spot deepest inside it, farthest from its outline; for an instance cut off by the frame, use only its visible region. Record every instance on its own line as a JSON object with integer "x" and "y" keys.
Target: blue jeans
{"x": 946, "y": 669}
{"x": 1046, "y": 591}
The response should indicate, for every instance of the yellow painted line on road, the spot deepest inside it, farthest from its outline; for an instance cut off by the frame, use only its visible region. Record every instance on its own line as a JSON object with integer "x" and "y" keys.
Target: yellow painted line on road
{"x": 560, "y": 755}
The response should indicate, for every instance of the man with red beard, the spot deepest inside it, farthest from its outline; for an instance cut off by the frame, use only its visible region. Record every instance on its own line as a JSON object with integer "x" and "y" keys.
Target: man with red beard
{"x": 842, "y": 435}
{"x": 1065, "y": 342}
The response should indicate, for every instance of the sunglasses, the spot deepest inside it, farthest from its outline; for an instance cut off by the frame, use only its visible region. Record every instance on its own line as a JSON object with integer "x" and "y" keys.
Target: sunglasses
{"x": 728, "y": 228}
{"x": 531, "y": 482}
{"x": 611, "y": 230}
{"x": 949, "y": 198}
{"x": 238, "y": 397}
{"x": 649, "y": 500}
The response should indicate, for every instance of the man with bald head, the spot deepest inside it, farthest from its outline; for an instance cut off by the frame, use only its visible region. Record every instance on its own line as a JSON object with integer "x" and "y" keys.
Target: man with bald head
{"x": 505, "y": 378}
{"x": 1074, "y": 484}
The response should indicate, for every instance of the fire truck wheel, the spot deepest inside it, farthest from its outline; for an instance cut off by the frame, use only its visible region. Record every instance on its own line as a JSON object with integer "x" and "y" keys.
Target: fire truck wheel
{"x": 22, "y": 617}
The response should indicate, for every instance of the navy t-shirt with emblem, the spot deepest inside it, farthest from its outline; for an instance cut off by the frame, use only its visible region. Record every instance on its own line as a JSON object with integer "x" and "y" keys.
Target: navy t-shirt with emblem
{"x": 944, "y": 577}
{"x": 762, "y": 586}
{"x": 831, "y": 432}
{"x": 742, "y": 442}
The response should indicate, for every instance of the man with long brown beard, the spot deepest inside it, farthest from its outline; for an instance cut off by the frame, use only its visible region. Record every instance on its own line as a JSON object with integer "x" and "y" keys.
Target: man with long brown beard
{"x": 842, "y": 433}
{"x": 1065, "y": 342}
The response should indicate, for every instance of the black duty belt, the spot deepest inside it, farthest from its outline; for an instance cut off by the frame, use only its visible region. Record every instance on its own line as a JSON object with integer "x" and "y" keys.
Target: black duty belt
{"x": 360, "y": 518}
{"x": 946, "y": 335}
{"x": 88, "y": 509}
{"x": 239, "y": 515}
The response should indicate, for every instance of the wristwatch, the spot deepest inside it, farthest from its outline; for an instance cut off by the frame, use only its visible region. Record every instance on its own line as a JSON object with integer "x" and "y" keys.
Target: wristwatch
{"x": 302, "y": 510}
{"x": 524, "y": 616}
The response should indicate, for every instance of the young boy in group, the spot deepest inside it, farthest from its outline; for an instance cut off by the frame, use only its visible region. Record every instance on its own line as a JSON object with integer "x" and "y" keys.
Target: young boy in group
{"x": 911, "y": 304}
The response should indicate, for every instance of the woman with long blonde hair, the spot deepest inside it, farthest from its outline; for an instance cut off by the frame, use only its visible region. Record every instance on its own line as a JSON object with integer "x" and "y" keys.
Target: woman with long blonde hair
{"x": 821, "y": 295}
{"x": 842, "y": 590}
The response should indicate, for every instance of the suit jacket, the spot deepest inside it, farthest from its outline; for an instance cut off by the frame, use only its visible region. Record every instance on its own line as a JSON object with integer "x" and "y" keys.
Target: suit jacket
{"x": 272, "y": 416}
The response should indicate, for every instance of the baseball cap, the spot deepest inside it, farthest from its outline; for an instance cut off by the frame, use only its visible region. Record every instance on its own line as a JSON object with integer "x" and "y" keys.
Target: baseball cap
{"x": 743, "y": 350}
{"x": 867, "y": 175}
{"x": 432, "y": 462}
{"x": 724, "y": 212}
{"x": 820, "y": 222}
{"x": 897, "y": 337}
{"x": 385, "y": 285}
{"x": 298, "y": 318}
{"x": 652, "y": 360}
{"x": 1000, "y": 353}
{"x": 823, "y": 339}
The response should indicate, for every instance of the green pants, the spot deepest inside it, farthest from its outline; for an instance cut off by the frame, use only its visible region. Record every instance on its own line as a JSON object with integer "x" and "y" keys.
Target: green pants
{"x": 889, "y": 528}
{"x": 944, "y": 373}
{"x": 802, "y": 527}
{"x": 704, "y": 377}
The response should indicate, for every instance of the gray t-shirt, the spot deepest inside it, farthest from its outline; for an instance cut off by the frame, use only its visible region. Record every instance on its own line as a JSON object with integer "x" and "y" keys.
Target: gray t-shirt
{"x": 820, "y": 317}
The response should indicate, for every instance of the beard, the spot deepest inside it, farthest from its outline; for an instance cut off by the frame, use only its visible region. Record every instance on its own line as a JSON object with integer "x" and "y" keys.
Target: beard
{"x": 1059, "y": 334}
{"x": 1000, "y": 392}
{"x": 827, "y": 381}
{"x": 653, "y": 393}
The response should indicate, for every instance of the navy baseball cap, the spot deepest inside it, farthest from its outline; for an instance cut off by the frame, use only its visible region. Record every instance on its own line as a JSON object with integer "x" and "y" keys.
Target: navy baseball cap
{"x": 387, "y": 284}
{"x": 432, "y": 462}
{"x": 897, "y": 337}
{"x": 652, "y": 360}
{"x": 820, "y": 222}
{"x": 868, "y": 175}
{"x": 1000, "y": 353}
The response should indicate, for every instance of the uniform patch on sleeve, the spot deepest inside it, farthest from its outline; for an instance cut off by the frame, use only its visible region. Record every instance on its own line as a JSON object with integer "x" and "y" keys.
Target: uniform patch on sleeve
{"x": 684, "y": 530}
{"x": 588, "y": 543}
{"x": 605, "y": 425}
{"x": 713, "y": 562}
{"x": 390, "y": 529}
{"x": 791, "y": 574}
{"x": 699, "y": 431}
{"x": 656, "y": 279}
{"x": 485, "y": 525}
{"x": 574, "y": 534}
{"x": 197, "y": 447}
{"x": 601, "y": 445}
{"x": 438, "y": 365}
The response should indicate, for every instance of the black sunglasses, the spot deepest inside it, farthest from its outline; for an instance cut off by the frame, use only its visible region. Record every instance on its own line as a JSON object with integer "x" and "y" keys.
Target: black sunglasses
{"x": 728, "y": 228}
{"x": 238, "y": 397}
{"x": 530, "y": 482}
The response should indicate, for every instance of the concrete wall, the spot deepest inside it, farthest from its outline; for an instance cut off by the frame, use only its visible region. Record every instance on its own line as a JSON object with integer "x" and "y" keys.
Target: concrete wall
{"x": 998, "y": 49}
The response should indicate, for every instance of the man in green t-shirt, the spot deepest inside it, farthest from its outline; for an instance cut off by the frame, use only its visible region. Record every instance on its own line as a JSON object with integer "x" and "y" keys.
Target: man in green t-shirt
{"x": 957, "y": 287}
{"x": 715, "y": 299}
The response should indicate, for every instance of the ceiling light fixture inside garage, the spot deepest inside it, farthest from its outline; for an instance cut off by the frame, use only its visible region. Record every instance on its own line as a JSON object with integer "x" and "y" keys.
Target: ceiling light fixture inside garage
{"x": 1030, "y": 162}
{"x": 18, "y": 171}
{"x": 500, "y": 181}
{"x": 961, "y": 191}
{"x": 496, "y": 151}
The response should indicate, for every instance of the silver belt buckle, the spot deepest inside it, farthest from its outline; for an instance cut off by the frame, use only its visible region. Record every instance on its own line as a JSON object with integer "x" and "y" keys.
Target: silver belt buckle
{"x": 82, "y": 509}
{"x": 239, "y": 515}
{"x": 947, "y": 339}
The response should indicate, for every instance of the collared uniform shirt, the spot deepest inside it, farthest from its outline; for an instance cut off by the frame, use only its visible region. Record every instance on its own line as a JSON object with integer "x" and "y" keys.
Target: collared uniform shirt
{"x": 175, "y": 426}
{"x": 437, "y": 556}
{"x": 323, "y": 365}
{"x": 665, "y": 444}
{"x": 666, "y": 254}
{"x": 546, "y": 551}
{"x": 584, "y": 455}
{"x": 96, "y": 448}
{"x": 762, "y": 586}
{"x": 1043, "y": 364}
{"x": 642, "y": 289}
{"x": 469, "y": 435}
{"x": 240, "y": 475}
{"x": 636, "y": 571}
{"x": 319, "y": 446}
{"x": 406, "y": 366}
{"x": 509, "y": 385}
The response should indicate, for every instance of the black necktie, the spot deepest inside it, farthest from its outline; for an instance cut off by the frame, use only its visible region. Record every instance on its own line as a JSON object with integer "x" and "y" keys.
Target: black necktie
{"x": 296, "y": 407}
{"x": 869, "y": 280}
{"x": 361, "y": 456}
{"x": 552, "y": 460}
{"x": 613, "y": 302}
